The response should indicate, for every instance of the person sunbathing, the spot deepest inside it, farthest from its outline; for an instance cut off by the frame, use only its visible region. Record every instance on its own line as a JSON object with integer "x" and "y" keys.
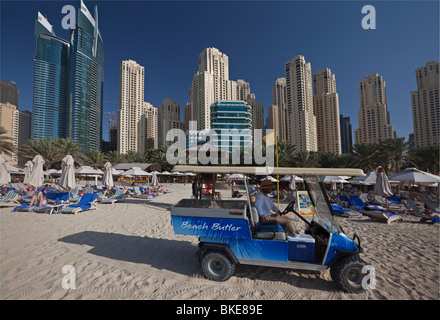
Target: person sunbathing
{"x": 28, "y": 192}
{"x": 39, "y": 199}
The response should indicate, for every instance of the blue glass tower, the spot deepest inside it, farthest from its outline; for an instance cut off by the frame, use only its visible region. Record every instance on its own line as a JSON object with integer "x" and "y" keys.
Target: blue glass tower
{"x": 86, "y": 81}
{"x": 51, "y": 82}
{"x": 69, "y": 82}
{"x": 232, "y": 121}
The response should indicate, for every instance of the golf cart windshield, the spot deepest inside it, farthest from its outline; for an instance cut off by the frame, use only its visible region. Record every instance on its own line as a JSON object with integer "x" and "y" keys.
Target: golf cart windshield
{"x": 323, "y": 215}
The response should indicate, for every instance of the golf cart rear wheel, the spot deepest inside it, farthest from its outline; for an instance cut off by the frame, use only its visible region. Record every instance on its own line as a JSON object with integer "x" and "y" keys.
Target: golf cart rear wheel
{"x": 217, "y": 266}
{"x": 347, "y": 274}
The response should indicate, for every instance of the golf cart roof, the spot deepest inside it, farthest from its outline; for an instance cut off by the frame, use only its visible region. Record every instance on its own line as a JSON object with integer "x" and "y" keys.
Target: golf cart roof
{"x": 271, "y": 170}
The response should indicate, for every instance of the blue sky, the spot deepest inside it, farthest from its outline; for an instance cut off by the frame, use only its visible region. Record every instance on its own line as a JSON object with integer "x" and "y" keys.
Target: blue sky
{"x": 166, "y": 37}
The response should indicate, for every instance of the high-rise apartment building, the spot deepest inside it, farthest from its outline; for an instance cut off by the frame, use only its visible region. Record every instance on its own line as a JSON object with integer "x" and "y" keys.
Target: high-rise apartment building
{"x": 257, "y": 110}
{"x": 8, "y": 92}
{"x": 131, "y": 106}
{"x": 168, "y": 115}
{"x": 211, "y": 83}
{"x": 279, "y": 98}
{"x": 326, "y": 107}
{"x": 9, "y": 120}
{"x": 150, "y": 120}
{"x": 373, "y": 115}
{"x": 243, "y": 90}
{"x": 301, "y": 121}
{"x": 274, "y": 121}
{"x": 69, "y": 81}
{"x": 426, "y": 106}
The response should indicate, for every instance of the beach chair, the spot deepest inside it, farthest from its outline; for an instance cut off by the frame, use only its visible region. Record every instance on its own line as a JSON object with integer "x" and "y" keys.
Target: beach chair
{"x": 386, "y": 217}
{"x": 87, "y": 202}
{"x": 75, "y": 196}
{"x": 138, "y": 194}
{"x": 48, "y": 208}
{"x": 431, "y": 204}
{"x": 413, "y": 208}
{"x": 119, "y": 195}
{"x": 344, "y": 212}
{"x": 345, "y": 200}
{"x": 392, "y": 206}
{"x": 9, "y": 199}
{"x": 89, "y": 189}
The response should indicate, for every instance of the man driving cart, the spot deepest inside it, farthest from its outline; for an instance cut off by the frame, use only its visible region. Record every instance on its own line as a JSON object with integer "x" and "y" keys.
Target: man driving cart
{"x": 265, "y": 206}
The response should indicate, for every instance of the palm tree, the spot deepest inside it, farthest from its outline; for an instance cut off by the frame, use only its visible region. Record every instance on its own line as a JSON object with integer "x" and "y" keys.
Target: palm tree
{"x": 159, "y": 156}
{"x": 365, "y": 156}
{"x": 95, "y": 158}
{"x": 394, "y": 151}
{"x": 305, "y": 159}
{"x": 6, "y": 145}
{"x": 285, "y": 153}
{"x": 114, "y": 157}
{"x": 424, "y": 158}
{"x": 68, "y": 146}
{"x": 45, "y": 147}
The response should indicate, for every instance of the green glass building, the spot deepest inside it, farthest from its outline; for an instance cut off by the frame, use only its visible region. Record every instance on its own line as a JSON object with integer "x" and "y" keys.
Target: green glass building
{"x": 232, "y": 122}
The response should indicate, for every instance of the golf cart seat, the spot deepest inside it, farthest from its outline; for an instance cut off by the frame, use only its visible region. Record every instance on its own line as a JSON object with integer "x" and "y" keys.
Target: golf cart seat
{"x": 268, "y": 230}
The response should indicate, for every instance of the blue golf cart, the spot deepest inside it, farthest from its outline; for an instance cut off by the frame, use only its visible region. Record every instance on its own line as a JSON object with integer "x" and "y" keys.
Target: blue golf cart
{"x": 231, "y": 233}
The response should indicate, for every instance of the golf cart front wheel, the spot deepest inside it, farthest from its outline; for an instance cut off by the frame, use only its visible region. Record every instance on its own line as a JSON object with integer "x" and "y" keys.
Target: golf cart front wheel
{"x": 348, "y": 275}
{"x": 217, "y": 266}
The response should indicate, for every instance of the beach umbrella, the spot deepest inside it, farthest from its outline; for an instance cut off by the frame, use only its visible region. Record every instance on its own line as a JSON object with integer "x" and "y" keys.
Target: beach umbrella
{"x": 154, "y": 180}
{"x": 165, "y": 173}
{"x": 5, "y": 177}
{"x": 235, "y": 176}
{"x": 107, "y": 178}
{"x": 269, "y": 178}
{"x": 382, "y": 186}
{"x": 36, "y": 176}
{"x": 135, "y": 171}
{"x": 27, "y": 171}
{"x": 413, "y": 175}
{"x": 67, "y": 179}
{"x": 88, "y": 172}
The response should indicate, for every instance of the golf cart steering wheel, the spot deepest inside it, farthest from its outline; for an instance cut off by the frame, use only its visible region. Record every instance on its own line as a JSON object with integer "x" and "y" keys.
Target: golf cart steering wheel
{"x": 290, "y": 208}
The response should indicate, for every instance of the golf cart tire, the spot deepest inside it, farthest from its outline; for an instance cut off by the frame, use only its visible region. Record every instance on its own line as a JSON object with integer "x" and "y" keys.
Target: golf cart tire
{"x": 347, "y": 274}
{"x": 217, "y": 266}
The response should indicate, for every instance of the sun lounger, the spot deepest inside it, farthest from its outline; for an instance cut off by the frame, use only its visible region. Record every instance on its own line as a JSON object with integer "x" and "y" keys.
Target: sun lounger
{"x": 384, "y": 202}
{"x": 413, "y": 208}
{"x": 344, "y": 212}
{"x": 431, "y": 204}
{"x": 384, "y": 217}
{"x": 139, "y": 194}
{"x": 48, "y": 208}
{"x": 119, "y": 195}
{"x": 9, "y": 199}
{"x": 86, "y": 203}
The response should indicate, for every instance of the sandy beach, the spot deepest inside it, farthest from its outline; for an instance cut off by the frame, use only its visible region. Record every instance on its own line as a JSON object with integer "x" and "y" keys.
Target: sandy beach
{"x": 128, "y": 250}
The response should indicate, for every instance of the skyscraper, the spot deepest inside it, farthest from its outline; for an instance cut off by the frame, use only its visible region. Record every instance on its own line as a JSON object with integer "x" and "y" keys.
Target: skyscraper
{"x": 326, "y": 106}
{"x": 8, "y": 92}
{"x": 346, "y": 134}
{"x": 301, "y": 121}
{"x": 279, "y": 98}
{"x": 68, "y": 82}
{"x": 211, "y": 83}
{"x": 373, "y": 115}
{"x": 51, "y": 83}
{"x": 9, "y": 120}
{"x": 86, "y": 81}
{"x": 150, "y": 126}
{"x": 168, "y": 115}
{"x": 426, "y": 106}
{"x": 131, "y": 105}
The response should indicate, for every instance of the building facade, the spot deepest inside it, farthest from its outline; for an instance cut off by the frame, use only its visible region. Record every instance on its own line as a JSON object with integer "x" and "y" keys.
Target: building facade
{"x": 69, "y": 81}
{"x": 346, "y": 134}
{"x": 168, "y": 115}
{"x": 131, "y": 107}
{"x": 8, "y": 92}
{"x": 279, "y": 98}
{"x": 326, "y": 108}
{"x": 150, "y": 119}
{"x": 373, "y": 115}
{"x": 86, "y": 81}
{"x": 232, "y": 122}
{"x": 274, "y": 121}
{"x": 51, "y": 83}
{"x": 301, "y": 120}
{"x": 9, "y": 120}
{"x": 426, "y": 106}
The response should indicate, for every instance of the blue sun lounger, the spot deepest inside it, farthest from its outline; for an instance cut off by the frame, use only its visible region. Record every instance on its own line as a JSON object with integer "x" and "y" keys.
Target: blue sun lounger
{"x": 86, "y": 203}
